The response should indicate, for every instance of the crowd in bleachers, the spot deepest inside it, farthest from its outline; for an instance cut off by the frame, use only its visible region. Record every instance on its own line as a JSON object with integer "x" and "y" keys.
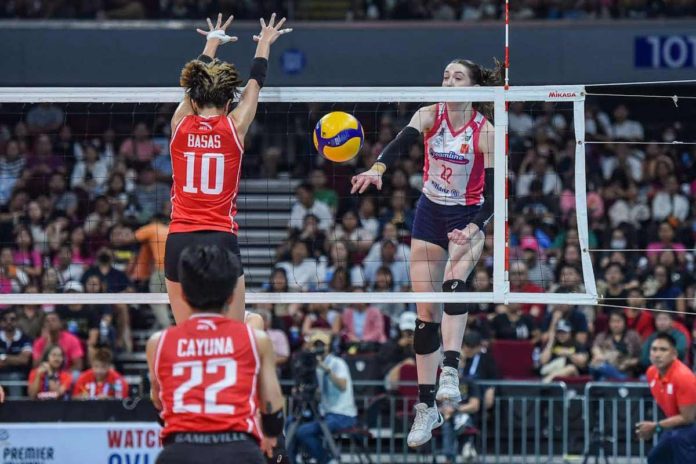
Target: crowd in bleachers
{"x": 443, "y": 10}
{"x": 68, "y": 226}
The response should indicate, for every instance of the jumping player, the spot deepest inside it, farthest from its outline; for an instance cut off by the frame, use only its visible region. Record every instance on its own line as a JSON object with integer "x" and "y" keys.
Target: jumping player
{"x": 451, "y": 214}
{"x": 207, "y": 149}
{"x": 205, "y": 372}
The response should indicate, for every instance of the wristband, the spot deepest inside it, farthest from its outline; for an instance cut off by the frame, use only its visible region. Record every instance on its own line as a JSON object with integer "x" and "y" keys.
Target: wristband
{"x": 258, "y": 70}
{"x": 205, "y": 59}
{"x": 379, "y": 167}
{"x": 273, "y": 423}
{"x": 658, "y": 428}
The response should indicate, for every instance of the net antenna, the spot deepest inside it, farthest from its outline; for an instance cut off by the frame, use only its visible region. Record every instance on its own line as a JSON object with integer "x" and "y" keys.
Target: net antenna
{"x": 500, "y": 96}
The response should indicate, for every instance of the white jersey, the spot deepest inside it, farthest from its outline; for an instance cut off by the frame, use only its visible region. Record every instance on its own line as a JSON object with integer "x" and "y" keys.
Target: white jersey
{"x": 454, "y": 164}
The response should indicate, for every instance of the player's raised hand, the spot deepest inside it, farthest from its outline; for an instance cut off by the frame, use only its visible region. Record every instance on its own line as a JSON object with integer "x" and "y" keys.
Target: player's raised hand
{"x": 363, "y": 180}
{"x": 270, "y": 32}
{"x": 218, "y": 31}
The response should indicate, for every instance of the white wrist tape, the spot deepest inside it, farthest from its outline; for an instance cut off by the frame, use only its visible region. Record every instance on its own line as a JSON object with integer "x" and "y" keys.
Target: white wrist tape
{"x": 219, "y": 35}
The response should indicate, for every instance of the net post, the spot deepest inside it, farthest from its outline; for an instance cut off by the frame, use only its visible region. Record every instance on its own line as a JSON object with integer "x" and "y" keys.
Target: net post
{"x": 581, "y": 195}
{"x": 501, "y": 285}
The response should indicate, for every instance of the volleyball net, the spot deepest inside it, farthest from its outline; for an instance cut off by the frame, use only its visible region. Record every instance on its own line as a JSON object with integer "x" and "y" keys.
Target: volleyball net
{"x": 97, "y": 169}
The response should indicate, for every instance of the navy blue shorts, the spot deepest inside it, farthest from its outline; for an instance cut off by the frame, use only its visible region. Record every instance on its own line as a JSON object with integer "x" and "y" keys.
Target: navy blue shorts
{"x": 676, "y": 446}
{"x": 433, "y": 222}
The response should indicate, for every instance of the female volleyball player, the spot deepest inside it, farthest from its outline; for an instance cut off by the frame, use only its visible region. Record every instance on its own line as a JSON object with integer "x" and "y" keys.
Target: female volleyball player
{"x": 451, "y": 214}
{"x": 207, "y": 150}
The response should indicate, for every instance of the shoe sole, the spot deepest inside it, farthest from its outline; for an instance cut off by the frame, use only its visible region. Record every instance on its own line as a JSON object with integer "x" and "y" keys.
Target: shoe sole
{"x": 440, "y": 421}
{"x": 440, "y": 397}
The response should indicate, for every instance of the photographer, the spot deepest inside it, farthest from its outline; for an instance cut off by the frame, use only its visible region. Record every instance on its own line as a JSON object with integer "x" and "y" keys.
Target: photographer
{"x": 336, "y": 405}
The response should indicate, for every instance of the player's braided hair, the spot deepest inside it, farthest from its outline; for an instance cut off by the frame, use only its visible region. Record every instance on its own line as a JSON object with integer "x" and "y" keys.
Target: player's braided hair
{"x": 483, "y": 77}
{"x": 212, "y": 84}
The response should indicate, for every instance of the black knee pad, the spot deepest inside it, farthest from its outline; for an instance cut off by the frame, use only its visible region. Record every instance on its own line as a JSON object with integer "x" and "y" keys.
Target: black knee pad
{"x": 458, "y": 308}
{"x": 426, "y": 338}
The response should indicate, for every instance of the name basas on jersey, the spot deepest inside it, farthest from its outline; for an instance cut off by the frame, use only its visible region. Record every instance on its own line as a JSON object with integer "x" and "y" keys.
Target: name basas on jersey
{"x": 204, "y": 347}
{"x": 204, "y": 141}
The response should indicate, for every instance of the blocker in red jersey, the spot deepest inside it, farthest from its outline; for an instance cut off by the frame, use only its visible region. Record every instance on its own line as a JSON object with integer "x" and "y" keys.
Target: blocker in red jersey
{"x": 209, "y": 373}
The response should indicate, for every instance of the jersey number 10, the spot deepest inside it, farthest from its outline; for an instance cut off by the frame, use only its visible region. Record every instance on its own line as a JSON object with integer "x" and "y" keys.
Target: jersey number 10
{"x": 198, "y": 369}
{"x": 205, "y": 162}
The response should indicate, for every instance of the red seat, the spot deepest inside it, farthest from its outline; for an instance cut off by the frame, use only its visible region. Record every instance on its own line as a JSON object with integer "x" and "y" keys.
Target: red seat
{"x": 514, "y": 358}
{"x": 409, "y": 393}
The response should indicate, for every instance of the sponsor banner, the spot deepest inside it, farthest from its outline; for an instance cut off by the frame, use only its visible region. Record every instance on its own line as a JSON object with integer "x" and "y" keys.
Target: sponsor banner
{"x": 67, "y": 443}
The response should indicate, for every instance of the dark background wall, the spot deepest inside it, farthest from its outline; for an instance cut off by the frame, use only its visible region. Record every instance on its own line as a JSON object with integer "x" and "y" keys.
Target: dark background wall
{"x": 335, "y": 54}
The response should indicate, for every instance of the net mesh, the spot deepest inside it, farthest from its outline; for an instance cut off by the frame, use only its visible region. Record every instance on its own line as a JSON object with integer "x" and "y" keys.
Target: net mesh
{"x": 82, "y": 181}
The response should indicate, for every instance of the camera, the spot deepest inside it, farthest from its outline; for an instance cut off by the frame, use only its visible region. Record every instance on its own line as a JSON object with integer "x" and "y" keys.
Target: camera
{"x": 304, "y": 370}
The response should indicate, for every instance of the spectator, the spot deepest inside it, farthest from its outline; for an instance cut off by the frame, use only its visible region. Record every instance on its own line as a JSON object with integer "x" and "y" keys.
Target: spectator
{"x": 49, "y": 380}
{"x": 350, "y": 230}
{"x": 91, "y": 173}
{"x": 665, "y": 234}
{"x": 45, "y": 117}
{"x": 384, "y": 282}
{"x": 102, "y": 381}
{"x": 563, "y": 356}
{"x": 571, "y": 315}
{"x": 12, "y": 279}
{"x": 399, "y": 269}
{"x": 15, "y": 352}
{"x": 519, "y": 282}
{"x": 25, "y": 256}
{"x": 367, "y": 213}
{"x": 152, "y": 239}
{"x": 673, "y": 386}
{"x": 389, "y": 232}
{"x": 139, "y": 150}
{"x": 624, "y": 128}
{"x": 340, "y": 258}
{"x": 477, "y": 366}
{"x": 311, "y": 235}
{"x": 616, "y": 352}
{"x": 149, "y": 194}
{"x": 11, "y": 167}
{"x": 636, "y": 318}
{"x": 37, "y": 226}
{"x": 614, "y": 292}
{"x": 400, "y": 214}
{"x": 81, "y": 320}
{"x": 305, "y": 204}
{"x": 659, "y": 287}
{"x": 114, "y": 281}
{"x": 337, "y": 402}
{"x": 66, "y": 266}
{"x": 395, "y": 353}
{"x": 510, "y": 323}
{"x": 278, "y": 283}
{"x": 62, "y": 199}
{"x": 30, "y": 317}
{"x": 281, "y": 346}
{"x": 541, "y": 170}
{"x": 360, "y": 323}
{"x": 328, "y": 196}
{"x": 538, "y": 272}
{"x": 664, "y": 324}
{"x": 302, "y": 271}
{"x": 669, "y": 204}
{"x": 319, "y": 316}
{"x": 72, "y": 354}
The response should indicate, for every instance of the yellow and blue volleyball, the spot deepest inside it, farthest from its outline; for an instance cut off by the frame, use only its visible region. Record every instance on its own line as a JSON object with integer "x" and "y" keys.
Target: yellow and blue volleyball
{"x": 338, "y": 136}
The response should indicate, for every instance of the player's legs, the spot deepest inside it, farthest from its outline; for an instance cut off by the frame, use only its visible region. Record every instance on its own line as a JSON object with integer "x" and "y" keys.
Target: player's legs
{"x": 462, "y": 260}
{"x": 427, "y": 268}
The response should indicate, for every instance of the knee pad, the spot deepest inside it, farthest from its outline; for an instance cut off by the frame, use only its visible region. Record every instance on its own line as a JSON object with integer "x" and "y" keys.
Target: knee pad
{"x": 426, "y": 338}
{"x": 458, "y": 308}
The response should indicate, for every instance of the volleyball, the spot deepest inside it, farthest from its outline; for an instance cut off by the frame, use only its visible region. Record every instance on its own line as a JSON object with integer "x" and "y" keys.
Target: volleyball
{"x": 338, "y": 136}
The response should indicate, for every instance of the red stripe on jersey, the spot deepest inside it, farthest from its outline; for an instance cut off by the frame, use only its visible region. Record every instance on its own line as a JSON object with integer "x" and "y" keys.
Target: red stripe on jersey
{"x": 206, "y": 166}
{"x": 207, "y": 371}
{"x": 474, "y": 189}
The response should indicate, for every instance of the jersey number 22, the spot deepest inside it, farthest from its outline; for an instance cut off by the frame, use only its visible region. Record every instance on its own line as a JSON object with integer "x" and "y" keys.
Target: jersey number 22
{"x": 197, "y": 370}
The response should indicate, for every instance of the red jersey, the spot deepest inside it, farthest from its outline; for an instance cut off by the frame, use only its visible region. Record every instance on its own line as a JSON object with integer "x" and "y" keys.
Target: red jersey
{"x": 206, "y": 164}
{"x": 207, "y": 369}
{"x": 676, "y": 388}
{"x": 113, "y": 386}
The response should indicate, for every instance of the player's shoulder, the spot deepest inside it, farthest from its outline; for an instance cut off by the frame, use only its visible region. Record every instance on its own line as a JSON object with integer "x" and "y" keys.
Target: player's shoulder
{"x": 651, "y": 373}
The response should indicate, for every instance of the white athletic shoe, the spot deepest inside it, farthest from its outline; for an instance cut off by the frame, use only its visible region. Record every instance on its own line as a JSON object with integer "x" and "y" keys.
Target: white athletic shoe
{"x": 427, "y": 419}
{"x": 449, "y": 386}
